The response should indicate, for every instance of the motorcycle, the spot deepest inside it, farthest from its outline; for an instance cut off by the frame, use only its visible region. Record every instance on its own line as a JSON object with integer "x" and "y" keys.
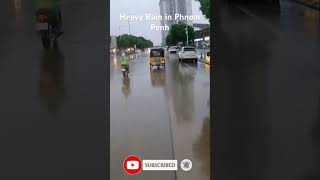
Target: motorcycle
{"x": 125, "y": 71}
{"x": 48, "y": 27}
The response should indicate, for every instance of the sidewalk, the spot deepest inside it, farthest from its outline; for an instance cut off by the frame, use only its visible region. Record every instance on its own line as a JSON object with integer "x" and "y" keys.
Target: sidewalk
{"x": 201, "y": 53}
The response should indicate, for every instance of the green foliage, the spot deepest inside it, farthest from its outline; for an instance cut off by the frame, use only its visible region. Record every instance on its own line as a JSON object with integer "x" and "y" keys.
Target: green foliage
{"x": 126, "y": 41}
{"x": 178, "y": 34}
{"x": 169, "y": 40}
{"x": 205, "y": 8}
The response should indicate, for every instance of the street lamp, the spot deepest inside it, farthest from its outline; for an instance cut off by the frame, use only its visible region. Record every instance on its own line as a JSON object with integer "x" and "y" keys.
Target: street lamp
{"x": 129, "y": 26}
{"x": 125, "y": 26}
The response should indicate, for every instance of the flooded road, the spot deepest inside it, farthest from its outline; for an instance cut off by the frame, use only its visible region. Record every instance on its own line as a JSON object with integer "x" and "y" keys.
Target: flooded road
{"x": 267, "y": 89}
{"x": 53, "y": 103}
{"x": 160, "y": 114}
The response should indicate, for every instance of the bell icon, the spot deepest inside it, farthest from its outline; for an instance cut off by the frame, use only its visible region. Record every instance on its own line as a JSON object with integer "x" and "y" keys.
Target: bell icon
{"x": 186, "y": 165}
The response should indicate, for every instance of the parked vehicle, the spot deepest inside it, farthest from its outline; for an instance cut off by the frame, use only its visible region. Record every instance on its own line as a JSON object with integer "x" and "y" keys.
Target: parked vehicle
{"x": 188, "y": 53}
{"x": 173, "y": 49}
{"x": 115, "y": 51}
{"x": 130, "y": 50}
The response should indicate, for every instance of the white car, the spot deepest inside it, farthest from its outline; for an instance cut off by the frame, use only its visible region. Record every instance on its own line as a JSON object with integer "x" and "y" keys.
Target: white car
{"x": 188, "y": 53}
{"x": 173, "y": 49}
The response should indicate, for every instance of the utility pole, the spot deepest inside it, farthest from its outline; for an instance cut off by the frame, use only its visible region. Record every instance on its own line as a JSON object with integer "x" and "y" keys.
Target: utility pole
{"x": 120, "y": 26}
{"x": 187, "y": 34}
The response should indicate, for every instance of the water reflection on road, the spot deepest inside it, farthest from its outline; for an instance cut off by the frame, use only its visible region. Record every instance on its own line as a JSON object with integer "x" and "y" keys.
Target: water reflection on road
{"x": 166, "y": 116}
{"x": 51, "y": 86}
{"x": 266, "y": 98}
{"x": 126, "y": 87}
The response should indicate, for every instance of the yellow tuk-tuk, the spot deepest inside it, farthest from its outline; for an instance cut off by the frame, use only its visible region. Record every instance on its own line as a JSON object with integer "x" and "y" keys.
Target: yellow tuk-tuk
{"x": 157, "y": 57}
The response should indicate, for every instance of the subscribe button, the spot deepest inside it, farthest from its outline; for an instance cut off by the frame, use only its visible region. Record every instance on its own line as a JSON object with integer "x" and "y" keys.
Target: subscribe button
{"x": 133, "y": 165}
{"x": 159, "y": 165}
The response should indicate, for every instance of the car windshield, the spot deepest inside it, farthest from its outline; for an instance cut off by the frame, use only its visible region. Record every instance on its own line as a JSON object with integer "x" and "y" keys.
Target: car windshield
{"x": 189, "y": 49}
{"x": 156, "y": 53}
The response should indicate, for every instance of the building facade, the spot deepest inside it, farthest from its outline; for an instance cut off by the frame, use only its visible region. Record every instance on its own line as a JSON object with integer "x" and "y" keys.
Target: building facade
{"x": 184, "y": 7}
{"x": 164, "y": 10}
{"x": 199, "y": 26}
{"x": 202, "y": 38}
{"x": 172, "y": 7}
{"x": 113, "y": 42}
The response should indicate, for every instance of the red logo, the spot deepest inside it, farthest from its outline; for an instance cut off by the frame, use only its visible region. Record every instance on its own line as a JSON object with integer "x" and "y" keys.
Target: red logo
{"x": 132, "y": 165}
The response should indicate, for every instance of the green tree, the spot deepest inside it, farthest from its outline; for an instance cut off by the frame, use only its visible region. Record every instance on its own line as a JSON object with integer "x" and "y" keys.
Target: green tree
{"x": 178, "y": 34}
{"x": 140, "y": 43}
{"x": 125, "y": 41}
{"x": 150, "y": 43}
{"x": 205, "y": 7}
{"x": 169, "y": 40}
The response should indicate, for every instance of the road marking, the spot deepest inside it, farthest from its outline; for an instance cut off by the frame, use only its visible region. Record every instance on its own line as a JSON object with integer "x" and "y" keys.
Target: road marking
{"x": 172, "y": 120}
{"x": 190, "y": 67}
{"x": 200, "y": 74}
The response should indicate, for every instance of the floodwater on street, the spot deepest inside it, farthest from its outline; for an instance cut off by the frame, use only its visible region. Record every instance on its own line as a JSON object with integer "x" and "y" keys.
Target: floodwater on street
{"x": 266, "y": 92}
{"x": 160, "y": 114}
{"x": 53, "y": 103}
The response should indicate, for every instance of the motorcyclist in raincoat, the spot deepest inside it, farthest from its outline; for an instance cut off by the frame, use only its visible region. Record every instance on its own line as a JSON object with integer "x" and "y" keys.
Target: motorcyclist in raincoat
{"x": 53, "y": 9}
{"x": 125, "y": 61}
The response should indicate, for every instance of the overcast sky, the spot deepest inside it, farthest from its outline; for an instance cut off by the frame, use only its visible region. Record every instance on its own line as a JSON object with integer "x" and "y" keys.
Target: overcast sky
{"x": 141, "y": 7}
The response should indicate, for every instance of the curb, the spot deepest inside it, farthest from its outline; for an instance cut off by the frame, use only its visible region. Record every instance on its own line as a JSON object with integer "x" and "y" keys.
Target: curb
{"x": 203, "y": 61}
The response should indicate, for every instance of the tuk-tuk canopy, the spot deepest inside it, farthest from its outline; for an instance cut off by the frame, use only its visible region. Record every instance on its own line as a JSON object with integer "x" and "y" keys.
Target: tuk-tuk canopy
{"x": 156, "y": 52}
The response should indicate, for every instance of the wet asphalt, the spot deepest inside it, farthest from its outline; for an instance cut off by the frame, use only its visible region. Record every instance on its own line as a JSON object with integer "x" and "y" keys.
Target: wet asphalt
{"x": 266, "y": 99}
{"x": 266, "y": 92}
{"x": 53, "y": 116}
{"x": 160, "y": 114}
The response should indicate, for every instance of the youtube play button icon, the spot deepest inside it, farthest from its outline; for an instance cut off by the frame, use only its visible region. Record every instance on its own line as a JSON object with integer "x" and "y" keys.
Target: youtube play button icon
{"x": 132, "y": 165}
